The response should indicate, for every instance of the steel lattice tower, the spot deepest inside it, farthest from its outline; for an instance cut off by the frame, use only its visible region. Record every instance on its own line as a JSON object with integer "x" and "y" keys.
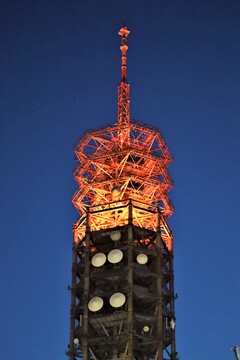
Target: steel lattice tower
{"x": 122, "y": 293}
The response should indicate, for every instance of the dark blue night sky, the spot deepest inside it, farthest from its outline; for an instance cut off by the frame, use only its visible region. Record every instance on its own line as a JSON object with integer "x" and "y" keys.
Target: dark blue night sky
{"x": 59, "y": 72}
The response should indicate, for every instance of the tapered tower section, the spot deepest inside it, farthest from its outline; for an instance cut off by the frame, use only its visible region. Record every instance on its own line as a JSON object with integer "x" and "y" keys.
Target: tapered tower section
{"x": 122, "y": 302}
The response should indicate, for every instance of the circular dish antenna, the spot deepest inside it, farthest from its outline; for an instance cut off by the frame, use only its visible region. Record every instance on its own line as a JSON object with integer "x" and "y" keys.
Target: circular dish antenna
{"x": 117, "y": 300}
{"x": 95, "y": 304}
{"x": 99, "y": 259}
{"x": 115, "y": 235}
{"x": 115, "y": 256}
{"x": 142, "y": 259}
{"x": 76, "y": 341}
{"x": 116, "y": 190}
{"x": 146, "y": 328}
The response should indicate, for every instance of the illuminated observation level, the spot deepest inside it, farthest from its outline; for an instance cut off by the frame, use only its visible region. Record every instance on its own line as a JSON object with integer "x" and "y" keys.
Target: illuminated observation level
{"x": 122, "y": 293}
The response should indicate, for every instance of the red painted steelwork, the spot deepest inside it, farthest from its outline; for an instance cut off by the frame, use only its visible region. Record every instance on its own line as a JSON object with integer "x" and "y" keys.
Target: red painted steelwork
{"x": 130, "y": 155}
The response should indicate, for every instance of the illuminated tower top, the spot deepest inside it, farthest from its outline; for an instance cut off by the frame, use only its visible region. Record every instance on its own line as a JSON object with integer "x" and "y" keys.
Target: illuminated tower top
{"x": 122, "y": 162}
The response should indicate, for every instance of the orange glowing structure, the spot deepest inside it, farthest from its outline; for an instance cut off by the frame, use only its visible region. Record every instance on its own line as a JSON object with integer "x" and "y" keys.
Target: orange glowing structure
{"x": 129, "y": 156}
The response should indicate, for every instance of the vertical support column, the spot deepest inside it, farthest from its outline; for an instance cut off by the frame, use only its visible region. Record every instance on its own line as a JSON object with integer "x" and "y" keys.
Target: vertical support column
{"x": 86, "y": 292}
{"x": 130, "y": 284}
{"x": 73, "y": 295}
{"x": 159, "y": 290}
{"x": 172, "y": 306}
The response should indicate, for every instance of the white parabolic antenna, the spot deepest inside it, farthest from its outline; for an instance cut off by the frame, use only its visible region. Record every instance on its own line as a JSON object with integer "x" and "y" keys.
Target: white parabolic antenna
{"x": 115, "y": 256}
{"x": 146, "y": 328}
{"x": 76, "y": 341}
{"x": 99, "y": 259}
{"x": 95, "y": 304}
{"x": 117, "y": 300}
{"x": 115, "y": 235}
{"x": 142, "y": 259}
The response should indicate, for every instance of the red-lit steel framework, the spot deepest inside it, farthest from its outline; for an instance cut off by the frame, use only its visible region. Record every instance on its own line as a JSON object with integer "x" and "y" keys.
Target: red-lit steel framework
{"x": 123, "y": 187}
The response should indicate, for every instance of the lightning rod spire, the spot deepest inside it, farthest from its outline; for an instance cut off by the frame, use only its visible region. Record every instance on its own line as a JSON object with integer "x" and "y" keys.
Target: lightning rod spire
{"x": 124, "y": 87}
{"x": 124, "y": 32}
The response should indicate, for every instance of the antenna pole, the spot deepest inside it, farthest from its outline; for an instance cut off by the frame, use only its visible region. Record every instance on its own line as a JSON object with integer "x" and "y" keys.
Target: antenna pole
{"x": 124, "y": 92}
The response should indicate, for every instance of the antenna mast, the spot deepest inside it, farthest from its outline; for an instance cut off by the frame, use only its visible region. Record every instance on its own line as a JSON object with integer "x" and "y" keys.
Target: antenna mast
{"x": 124, "y": 92}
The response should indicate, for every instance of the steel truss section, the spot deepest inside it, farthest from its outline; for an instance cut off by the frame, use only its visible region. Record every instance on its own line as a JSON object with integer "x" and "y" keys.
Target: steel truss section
{"x": 138, "y": 167}
{"x": 122, "y": 292}
{"x": 149, "y": 289}
{"x": 115, "y": 214}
